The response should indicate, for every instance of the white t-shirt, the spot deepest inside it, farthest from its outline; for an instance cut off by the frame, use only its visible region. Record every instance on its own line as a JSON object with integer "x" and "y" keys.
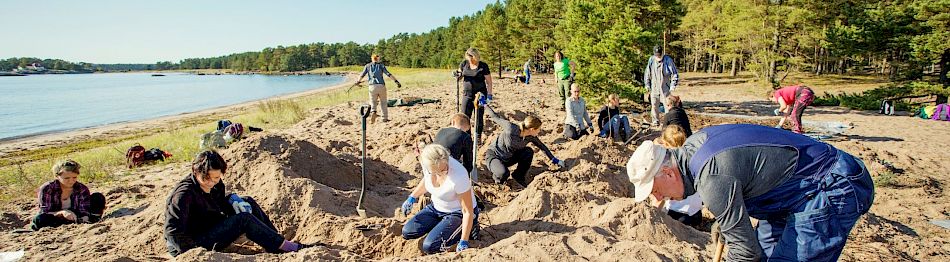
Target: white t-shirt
{"x": 689, "y": 206}
{"x": 445, "y": 198}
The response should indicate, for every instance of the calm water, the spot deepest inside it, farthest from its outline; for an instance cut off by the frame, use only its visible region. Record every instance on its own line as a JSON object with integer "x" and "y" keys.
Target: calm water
{"x": 48, "y": 103}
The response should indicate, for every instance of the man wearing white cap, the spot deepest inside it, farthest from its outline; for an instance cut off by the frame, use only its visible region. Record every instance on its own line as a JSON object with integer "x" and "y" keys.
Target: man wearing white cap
{"x": 807, "y": 195}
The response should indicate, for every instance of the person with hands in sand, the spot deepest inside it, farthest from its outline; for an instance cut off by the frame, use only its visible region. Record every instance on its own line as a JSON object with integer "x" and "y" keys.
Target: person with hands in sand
{"x": 65, "y": 200}
{"x": 577, "y": 121}
{"x": 792, "y": 101}
{"x": 452, "y": 217}
{"x": 199, "y": 213}
{"x": 511, "y": 148}
{"x": 806, "y": 195}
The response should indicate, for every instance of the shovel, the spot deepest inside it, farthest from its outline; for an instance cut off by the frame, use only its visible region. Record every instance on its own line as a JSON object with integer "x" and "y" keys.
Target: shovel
{"x": 364, "y": 113}
{"x": 475, "y": 137}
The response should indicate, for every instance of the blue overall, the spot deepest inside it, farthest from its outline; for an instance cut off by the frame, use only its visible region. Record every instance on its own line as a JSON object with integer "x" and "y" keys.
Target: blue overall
{"x": 808, "y": 216}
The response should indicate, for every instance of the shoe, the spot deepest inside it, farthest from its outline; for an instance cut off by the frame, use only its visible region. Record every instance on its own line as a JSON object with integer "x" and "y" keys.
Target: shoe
{"x": 372, "y": 119}
{"x": 385, "y": 120}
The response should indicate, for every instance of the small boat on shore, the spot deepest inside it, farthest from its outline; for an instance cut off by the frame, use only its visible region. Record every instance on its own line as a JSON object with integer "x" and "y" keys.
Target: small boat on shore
{"x": 158, "y": 75}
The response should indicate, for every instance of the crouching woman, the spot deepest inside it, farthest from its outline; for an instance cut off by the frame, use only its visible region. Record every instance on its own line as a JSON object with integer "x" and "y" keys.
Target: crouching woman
{"x": 65, "y": 200}
{"x": 200, "y": 214}
{"x": 452, "y": 217}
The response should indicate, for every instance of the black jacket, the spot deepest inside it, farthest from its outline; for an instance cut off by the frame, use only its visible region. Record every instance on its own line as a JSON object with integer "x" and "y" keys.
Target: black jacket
{"x": 677, "y": 116}
{"x": 459, "y": 144}
{"x": 190, "y": 212}
{"x": 604, "y": 115}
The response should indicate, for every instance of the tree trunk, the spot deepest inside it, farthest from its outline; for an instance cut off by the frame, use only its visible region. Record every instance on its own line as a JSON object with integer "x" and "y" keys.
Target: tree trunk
{"x": 944, "y": 62}
{"x": 732, "y": 72}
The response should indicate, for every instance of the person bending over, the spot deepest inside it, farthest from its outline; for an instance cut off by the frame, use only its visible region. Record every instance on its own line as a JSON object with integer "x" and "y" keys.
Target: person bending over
{"x": 511, "y": 148}
{"x": 64, "y": 200}
{"x": 792, "y": 101}
{"x": 458, "y": 140}
{"x": 199, "y": 213}
{"x": 452, "y": 216}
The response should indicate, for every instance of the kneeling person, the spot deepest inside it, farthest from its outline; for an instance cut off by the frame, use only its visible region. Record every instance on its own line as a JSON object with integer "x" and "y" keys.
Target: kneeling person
{"x": 452, "y": 217}
{"x": 200, "y": 214}
{"x": 458, "y": 140}
{"x": 65, "y": 200}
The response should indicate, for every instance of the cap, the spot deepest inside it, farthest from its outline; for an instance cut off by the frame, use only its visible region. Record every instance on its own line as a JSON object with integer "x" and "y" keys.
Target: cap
{"x": 643, "y": 166}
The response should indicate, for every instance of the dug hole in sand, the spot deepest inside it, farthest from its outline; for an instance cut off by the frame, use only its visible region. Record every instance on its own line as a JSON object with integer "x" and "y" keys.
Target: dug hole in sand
{"x": 307, "y": 178}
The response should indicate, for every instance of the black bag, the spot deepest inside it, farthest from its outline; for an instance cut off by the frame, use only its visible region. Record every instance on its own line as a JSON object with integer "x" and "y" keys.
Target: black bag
{"x": 154, "y": 154}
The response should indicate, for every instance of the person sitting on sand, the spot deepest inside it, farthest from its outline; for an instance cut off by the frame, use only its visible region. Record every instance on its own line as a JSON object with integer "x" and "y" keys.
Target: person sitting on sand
{"x": 611, "y": 122}
{"x": 676, "y": 115}
{"x": 807, "y": 195}
{"x": 792, "y": 101}
{"x": 458, "y": 140}
{"x": 65, "y": 200}
{"x": 511, "y": 148}
{"x": 452, "y": 215}
{"x": 576, "y": 120}
{"x": 200, "y": 214}
{"x": 687, "y": 210}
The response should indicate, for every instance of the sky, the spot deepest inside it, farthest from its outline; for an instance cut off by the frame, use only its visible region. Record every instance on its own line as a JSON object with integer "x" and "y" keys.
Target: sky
{"x": 133, "y": 31}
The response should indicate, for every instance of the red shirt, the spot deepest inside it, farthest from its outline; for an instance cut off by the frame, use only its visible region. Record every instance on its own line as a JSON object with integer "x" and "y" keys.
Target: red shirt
{"x": 787, "y": 94}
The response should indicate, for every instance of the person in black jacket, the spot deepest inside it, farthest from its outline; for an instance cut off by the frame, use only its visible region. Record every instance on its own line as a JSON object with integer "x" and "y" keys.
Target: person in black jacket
{"x": 611, "y": 122}
{"x": 458, "y": 140}
{"x": 200, "y": 214}
{"x": 676, "y": 115}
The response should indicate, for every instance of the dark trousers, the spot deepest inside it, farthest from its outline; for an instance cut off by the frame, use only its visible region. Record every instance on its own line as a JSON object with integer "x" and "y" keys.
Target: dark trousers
{"x": 688, "y": 220}
{"x": 96, "y": 206}
{"x": 571, "y": 132}
{"x": 442, "y": 230}
{"x": 256, "y": 226}
{"x": 469, "y": 91}
{"x": 499, "y": 167}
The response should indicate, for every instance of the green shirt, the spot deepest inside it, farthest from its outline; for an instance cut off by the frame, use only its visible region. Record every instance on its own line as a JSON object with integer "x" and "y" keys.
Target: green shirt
{"x": 562, "y": 69}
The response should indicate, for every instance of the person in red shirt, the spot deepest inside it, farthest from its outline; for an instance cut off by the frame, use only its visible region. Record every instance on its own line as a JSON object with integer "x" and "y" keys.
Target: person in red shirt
{"x": 792, "y": 101}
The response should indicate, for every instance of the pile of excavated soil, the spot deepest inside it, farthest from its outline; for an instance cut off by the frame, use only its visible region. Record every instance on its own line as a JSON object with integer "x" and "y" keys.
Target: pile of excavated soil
{"x": 307, "y": 179}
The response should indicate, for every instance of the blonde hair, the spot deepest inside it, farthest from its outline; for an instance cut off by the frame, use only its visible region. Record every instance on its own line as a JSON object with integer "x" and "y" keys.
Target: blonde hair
{"x": 613, "y": 97}
{"x": 432, "y": 155}
{"x": 530, "y": 122}
{"x": 673, "y": 136}
{"x": 474, "y": 53}
{"x": 375, "y": 57}
{"x": 461, "y": 120}
{"x": 66, "y": 166}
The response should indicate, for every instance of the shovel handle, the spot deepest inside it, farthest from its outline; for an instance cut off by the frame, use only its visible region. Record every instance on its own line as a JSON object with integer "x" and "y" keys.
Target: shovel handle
{"x": 364, "y": 110}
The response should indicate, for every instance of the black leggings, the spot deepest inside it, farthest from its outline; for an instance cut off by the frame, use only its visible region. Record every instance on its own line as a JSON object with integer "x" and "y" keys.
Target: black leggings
{"x": 96, "y": 206}
{"x": 570, "y": 132}
{"x": 693, "y": 220}
{"x": 468, "y": 104}
{"x": 499, "y": 167}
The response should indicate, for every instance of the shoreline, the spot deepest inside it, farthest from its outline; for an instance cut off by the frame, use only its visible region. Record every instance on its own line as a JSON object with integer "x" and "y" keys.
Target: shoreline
{"x": 69, "y": 136}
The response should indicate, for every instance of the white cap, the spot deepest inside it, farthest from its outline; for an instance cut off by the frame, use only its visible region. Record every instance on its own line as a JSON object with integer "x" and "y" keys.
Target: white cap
{"x": 643, "y": 166}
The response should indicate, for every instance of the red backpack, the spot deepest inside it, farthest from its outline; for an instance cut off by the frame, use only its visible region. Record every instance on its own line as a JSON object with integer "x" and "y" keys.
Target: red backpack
{"x": 235, "y": 130}
{"x": 135, "y": 156}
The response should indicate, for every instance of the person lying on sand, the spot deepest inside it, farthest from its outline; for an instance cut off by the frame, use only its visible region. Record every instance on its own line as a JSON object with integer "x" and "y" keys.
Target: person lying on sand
{"x": 458, "y": 140}
{"x": 65, "y": 200}
{"x": 576, "y": 120}
{"x": 611, "y": 122}
{"x": 511, "y": 148}
{"x": 200, "y": 214}
{"x": 807, "y": 195}
{"x": 687, "y": 210}
{"x": 452, "y": 217}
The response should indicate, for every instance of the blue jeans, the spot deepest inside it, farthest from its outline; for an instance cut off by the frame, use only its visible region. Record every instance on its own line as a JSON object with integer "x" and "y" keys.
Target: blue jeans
{"x": 614, "y": 125}
{"x": 527, "y": 76}
{"x": 256, "y": 226}
{"x": 818, "y": 229}
{"x": 442, "y": 230}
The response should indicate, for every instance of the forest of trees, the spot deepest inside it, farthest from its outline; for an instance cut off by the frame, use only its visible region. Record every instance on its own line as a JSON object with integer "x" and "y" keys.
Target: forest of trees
{"x": 611, "y": 40}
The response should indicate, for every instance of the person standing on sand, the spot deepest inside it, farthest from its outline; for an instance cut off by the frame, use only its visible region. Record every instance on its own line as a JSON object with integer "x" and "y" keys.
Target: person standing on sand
{"x": 458, "y": 140}
{"x": 792, "y": 101}
{"x": 199, "y": 213}
{"x": 564, "y": 72}
{"x": 527, "y": 72}
{"x": 511, "y": 148}
{"x": 806, "y": 194}
{"x": 660, "y": 78}
{"x": 65, "y": 200}
{"x": 377, "y": 86}
{"x": 576, "y": 120}
{"x": 452, "y": 217}
{"x": 476, "y": 78}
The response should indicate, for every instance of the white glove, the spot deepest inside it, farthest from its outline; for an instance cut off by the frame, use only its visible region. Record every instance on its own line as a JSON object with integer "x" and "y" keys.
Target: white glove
{"x": 777, "y": 112}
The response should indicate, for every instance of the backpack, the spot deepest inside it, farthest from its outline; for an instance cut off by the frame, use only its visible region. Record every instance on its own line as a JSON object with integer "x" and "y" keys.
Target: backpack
{"x": 887, "y": 108}
{"x": 926, "y": 111}
{"x": 135, "y": 156}
{"x": 941, "y": 112}
{"x": 234, "y": 131}
{"x": 212, "y": 140}
{"x": 223, "y": 123}
{"x": 154, "y": 154}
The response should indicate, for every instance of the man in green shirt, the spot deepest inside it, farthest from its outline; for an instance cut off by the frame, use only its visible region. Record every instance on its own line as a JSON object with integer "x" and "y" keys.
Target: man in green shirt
{"x": 564, "y": 70}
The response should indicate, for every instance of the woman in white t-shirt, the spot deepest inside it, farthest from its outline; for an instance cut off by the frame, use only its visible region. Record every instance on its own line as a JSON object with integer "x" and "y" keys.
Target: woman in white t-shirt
{"x": 452, "y": 216}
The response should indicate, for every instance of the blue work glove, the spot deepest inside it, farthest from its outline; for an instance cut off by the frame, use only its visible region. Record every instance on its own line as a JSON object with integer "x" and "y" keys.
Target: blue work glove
{"x": 239, "y": 205}
{"x": 488, "y": 100}
{"x": 558, "y": 162}
{"x": 483, "y": 101}
{"x": 777, "y": 112}
{"x": 399, "y": 85}
{"x": 407, "y": 206}
{"x": 463, "y": 245}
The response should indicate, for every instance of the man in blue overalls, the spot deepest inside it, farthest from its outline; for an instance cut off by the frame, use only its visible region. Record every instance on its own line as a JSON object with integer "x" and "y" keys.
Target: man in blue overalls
{"x": 806, "y": 195}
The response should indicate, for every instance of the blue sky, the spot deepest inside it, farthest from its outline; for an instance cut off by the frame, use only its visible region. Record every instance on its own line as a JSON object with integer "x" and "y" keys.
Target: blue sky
{"x": 146, "y": 32}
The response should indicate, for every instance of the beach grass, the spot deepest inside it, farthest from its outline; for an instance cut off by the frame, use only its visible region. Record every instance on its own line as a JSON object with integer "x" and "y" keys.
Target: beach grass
{"x": 103, "y": 159}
